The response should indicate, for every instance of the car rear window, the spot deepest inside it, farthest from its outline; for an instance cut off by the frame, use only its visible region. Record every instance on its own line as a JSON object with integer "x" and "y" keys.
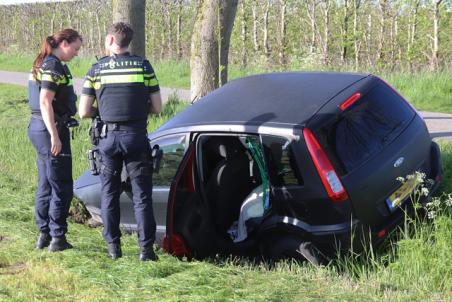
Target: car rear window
{"x": 368, "y": 125}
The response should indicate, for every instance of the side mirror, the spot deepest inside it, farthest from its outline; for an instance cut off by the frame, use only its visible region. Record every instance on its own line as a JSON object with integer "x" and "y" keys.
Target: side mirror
{"x": 157, "y": 155}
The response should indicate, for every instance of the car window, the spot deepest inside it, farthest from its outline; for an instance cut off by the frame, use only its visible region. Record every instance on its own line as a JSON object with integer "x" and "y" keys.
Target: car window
{"x": 282, "y": 168}
{"x": 173, "y": 148}
{"x": 374, "y": 121}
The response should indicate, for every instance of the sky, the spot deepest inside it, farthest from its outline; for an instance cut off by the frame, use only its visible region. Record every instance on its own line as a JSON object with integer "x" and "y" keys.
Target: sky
{"x": 9, "y": 2}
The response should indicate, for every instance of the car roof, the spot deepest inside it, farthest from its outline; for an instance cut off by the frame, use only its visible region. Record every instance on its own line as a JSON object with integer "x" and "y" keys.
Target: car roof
{"x": 274, "y": 99}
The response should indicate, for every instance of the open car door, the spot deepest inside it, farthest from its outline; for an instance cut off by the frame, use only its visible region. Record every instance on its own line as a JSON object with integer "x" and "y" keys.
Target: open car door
{"x": 188, "y": 220}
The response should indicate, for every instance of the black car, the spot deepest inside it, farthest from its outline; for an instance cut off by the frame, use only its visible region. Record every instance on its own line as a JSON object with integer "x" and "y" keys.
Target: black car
{"x": 284, "y": 165}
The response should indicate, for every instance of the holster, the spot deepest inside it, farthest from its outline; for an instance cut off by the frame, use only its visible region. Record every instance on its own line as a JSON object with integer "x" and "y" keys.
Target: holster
{"x": 94, "y": 161}
{"x": 95, "y": 132}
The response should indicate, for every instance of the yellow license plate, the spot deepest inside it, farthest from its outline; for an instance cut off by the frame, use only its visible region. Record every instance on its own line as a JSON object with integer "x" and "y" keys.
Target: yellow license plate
{"x": 399, "y": 196}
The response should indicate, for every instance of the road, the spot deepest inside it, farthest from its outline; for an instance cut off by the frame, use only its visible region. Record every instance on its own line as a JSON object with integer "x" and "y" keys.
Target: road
{"x": 439, "y": 124}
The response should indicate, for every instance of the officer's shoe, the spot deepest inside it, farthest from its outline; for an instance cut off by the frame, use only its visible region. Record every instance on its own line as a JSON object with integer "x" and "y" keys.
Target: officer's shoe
{"x": 114, "y": 251}
{"x": 59, "y": 244}
{"x": 43, "y": 240}
{"x": 148, "y": 254}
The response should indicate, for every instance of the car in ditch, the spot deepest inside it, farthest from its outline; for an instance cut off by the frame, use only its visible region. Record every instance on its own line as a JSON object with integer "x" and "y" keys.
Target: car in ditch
{"x": 284, "y": 165}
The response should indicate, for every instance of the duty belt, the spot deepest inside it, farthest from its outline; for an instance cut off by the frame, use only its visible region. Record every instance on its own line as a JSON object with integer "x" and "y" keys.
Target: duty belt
{"x": 120, "y": 126}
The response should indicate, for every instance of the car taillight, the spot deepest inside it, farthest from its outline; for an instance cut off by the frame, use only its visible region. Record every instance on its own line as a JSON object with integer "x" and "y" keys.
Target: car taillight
{"x": 350, "y": 101}
{"x": 328, "y": 175}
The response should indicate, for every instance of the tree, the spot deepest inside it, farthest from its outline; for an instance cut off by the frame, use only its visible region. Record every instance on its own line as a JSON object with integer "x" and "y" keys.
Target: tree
{"x": 435, "y": 38}
{"x": 210, "y": 45}
{"x": 132, "y": 12}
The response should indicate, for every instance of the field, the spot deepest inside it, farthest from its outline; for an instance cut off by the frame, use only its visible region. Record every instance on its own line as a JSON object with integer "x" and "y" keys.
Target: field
{"x": 413, "y": 265}
{"x": 426, "y": 91}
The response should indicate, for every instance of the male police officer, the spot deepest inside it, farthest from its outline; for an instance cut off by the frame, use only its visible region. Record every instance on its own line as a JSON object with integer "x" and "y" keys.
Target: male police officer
{"x": 126, "y": 91}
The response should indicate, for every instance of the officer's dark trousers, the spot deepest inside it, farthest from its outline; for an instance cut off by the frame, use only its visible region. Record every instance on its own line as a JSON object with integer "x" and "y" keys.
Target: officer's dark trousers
{"x": 132, "y": 148}
{"x": 54, "y": 192}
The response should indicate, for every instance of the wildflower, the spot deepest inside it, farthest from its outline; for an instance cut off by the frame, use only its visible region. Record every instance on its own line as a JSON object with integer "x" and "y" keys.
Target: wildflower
{"x": 424, "y": 191}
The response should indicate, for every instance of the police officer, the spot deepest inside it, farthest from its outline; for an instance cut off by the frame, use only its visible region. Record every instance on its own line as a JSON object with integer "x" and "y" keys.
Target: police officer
{"x": 52, "y": 103}
{"x": 126, "y": 90}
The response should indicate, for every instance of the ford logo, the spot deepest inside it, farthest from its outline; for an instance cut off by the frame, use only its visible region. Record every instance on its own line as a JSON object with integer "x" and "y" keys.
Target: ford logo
{"x": 398, "y": 162}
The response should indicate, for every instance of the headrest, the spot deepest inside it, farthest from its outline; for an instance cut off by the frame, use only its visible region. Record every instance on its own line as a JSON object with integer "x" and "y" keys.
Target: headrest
{"x": 225, "y": 146}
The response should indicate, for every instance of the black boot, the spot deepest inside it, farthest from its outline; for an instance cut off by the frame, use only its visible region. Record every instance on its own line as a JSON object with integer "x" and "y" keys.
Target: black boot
{"x": 59, "y": 244}
{"x": 147, "y": 254}
{"x": 114, "y": 251}
{"x": 43, "y": 240}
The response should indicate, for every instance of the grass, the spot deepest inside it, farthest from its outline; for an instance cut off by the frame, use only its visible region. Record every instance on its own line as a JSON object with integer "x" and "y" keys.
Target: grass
{"x": 426, "y": 91}
{"x": 415, "y": 267}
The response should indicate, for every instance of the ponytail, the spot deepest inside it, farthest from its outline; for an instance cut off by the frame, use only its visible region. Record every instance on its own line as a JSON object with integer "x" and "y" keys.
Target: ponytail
{"x": 52, "y": 42}
{"x": 46, "y": 49}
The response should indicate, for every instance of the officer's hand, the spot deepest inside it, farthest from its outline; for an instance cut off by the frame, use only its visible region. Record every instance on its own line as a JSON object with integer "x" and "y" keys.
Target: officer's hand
{"x": 56, "y": 145}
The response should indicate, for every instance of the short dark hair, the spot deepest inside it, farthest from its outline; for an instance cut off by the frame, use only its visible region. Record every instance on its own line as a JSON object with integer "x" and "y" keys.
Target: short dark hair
{"x": 122, "y": 32}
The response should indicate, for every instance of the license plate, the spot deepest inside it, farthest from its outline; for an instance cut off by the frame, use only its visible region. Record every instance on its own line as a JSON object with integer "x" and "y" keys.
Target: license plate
{"x": 401, "y": 194}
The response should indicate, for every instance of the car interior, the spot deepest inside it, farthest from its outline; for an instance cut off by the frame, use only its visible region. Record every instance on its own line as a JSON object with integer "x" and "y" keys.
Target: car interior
{"x": 227, "y": 173}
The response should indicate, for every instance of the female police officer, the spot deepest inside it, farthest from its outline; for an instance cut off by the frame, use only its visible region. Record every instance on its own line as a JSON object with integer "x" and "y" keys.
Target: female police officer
{"x": 52, "y": 103}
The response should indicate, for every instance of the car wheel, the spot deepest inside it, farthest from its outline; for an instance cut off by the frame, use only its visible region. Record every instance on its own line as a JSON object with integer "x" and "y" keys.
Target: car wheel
{"x": 292, "y": 247}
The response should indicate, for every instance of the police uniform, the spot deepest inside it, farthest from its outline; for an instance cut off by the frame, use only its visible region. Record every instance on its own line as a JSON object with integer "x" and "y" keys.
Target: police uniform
{"x": 122, "y": 85}
{"x": 55, "y": 185}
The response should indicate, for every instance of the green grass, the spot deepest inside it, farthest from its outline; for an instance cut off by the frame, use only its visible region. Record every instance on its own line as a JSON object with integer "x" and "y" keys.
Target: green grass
{"x": 417, "y": 267}
{"x": 426, "y": 91}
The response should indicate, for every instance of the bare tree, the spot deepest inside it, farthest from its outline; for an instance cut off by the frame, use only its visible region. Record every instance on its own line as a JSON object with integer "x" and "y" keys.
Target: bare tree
{"x": 282, "y": 32}
{"x": 435, "y": 38}
{"x": 179, "y": 29}
{"x": 228, "y": 9}
{"x": 326, "y": 6}
{"x": 265, "y": 29}
{"x": 210, "y": 45}
{"x": 383, "y": 5}
{"x": 254, "y": 10}
{"x": 132, "y": 12}
{"x": 344, "y": 30}
{"x": 311, "y": 12}
{"x": 356, "y": 38}
{"x": 243, "y": 32}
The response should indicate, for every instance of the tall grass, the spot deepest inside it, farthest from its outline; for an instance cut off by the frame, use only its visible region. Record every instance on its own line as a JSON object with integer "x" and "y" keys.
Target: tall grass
{"x": 415, "y": 267}
{"x": 426, "y": 91}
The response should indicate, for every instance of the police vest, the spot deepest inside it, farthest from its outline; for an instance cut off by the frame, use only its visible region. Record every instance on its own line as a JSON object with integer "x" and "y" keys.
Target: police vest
{"x": 121, "y": 85}
{"x": 55, "y": 76}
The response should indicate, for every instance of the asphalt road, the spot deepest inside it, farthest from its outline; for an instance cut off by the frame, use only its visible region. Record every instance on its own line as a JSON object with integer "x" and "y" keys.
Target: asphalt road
{"x": 439, "y": 124}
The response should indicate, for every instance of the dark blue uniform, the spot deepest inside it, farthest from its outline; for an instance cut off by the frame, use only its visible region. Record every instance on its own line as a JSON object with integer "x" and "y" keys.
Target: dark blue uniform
{"x": 55, "y": 184}
{"x": 122, "y": 85}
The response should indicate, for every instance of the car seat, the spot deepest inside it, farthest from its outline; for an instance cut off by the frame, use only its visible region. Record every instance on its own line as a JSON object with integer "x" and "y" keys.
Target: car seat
{"x": 229, "y": 183}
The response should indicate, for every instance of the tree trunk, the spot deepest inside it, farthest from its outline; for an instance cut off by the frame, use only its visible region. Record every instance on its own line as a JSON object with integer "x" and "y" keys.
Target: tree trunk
{"x": 369, "y": 40}
{"x": 356, "y": 42}
{"x": 282, "y": 33}
{"x": 412, "y": 25}
{"x": 255, "y": 43}
{"x": 265, "y": 38}
{"x": 381, "y": 39}
{"x": 210, "y": 45}
{"x": 326, "y": 30}
{"x": 132, "y": 12}
{"x": 311, "y": 12}
{"x": 243, "y": 33}
{"x": 435, "y": 48}
{"x": 228, "y": 9}
{"x": 344, "y": 33}
{"x": 179, "y": 29}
